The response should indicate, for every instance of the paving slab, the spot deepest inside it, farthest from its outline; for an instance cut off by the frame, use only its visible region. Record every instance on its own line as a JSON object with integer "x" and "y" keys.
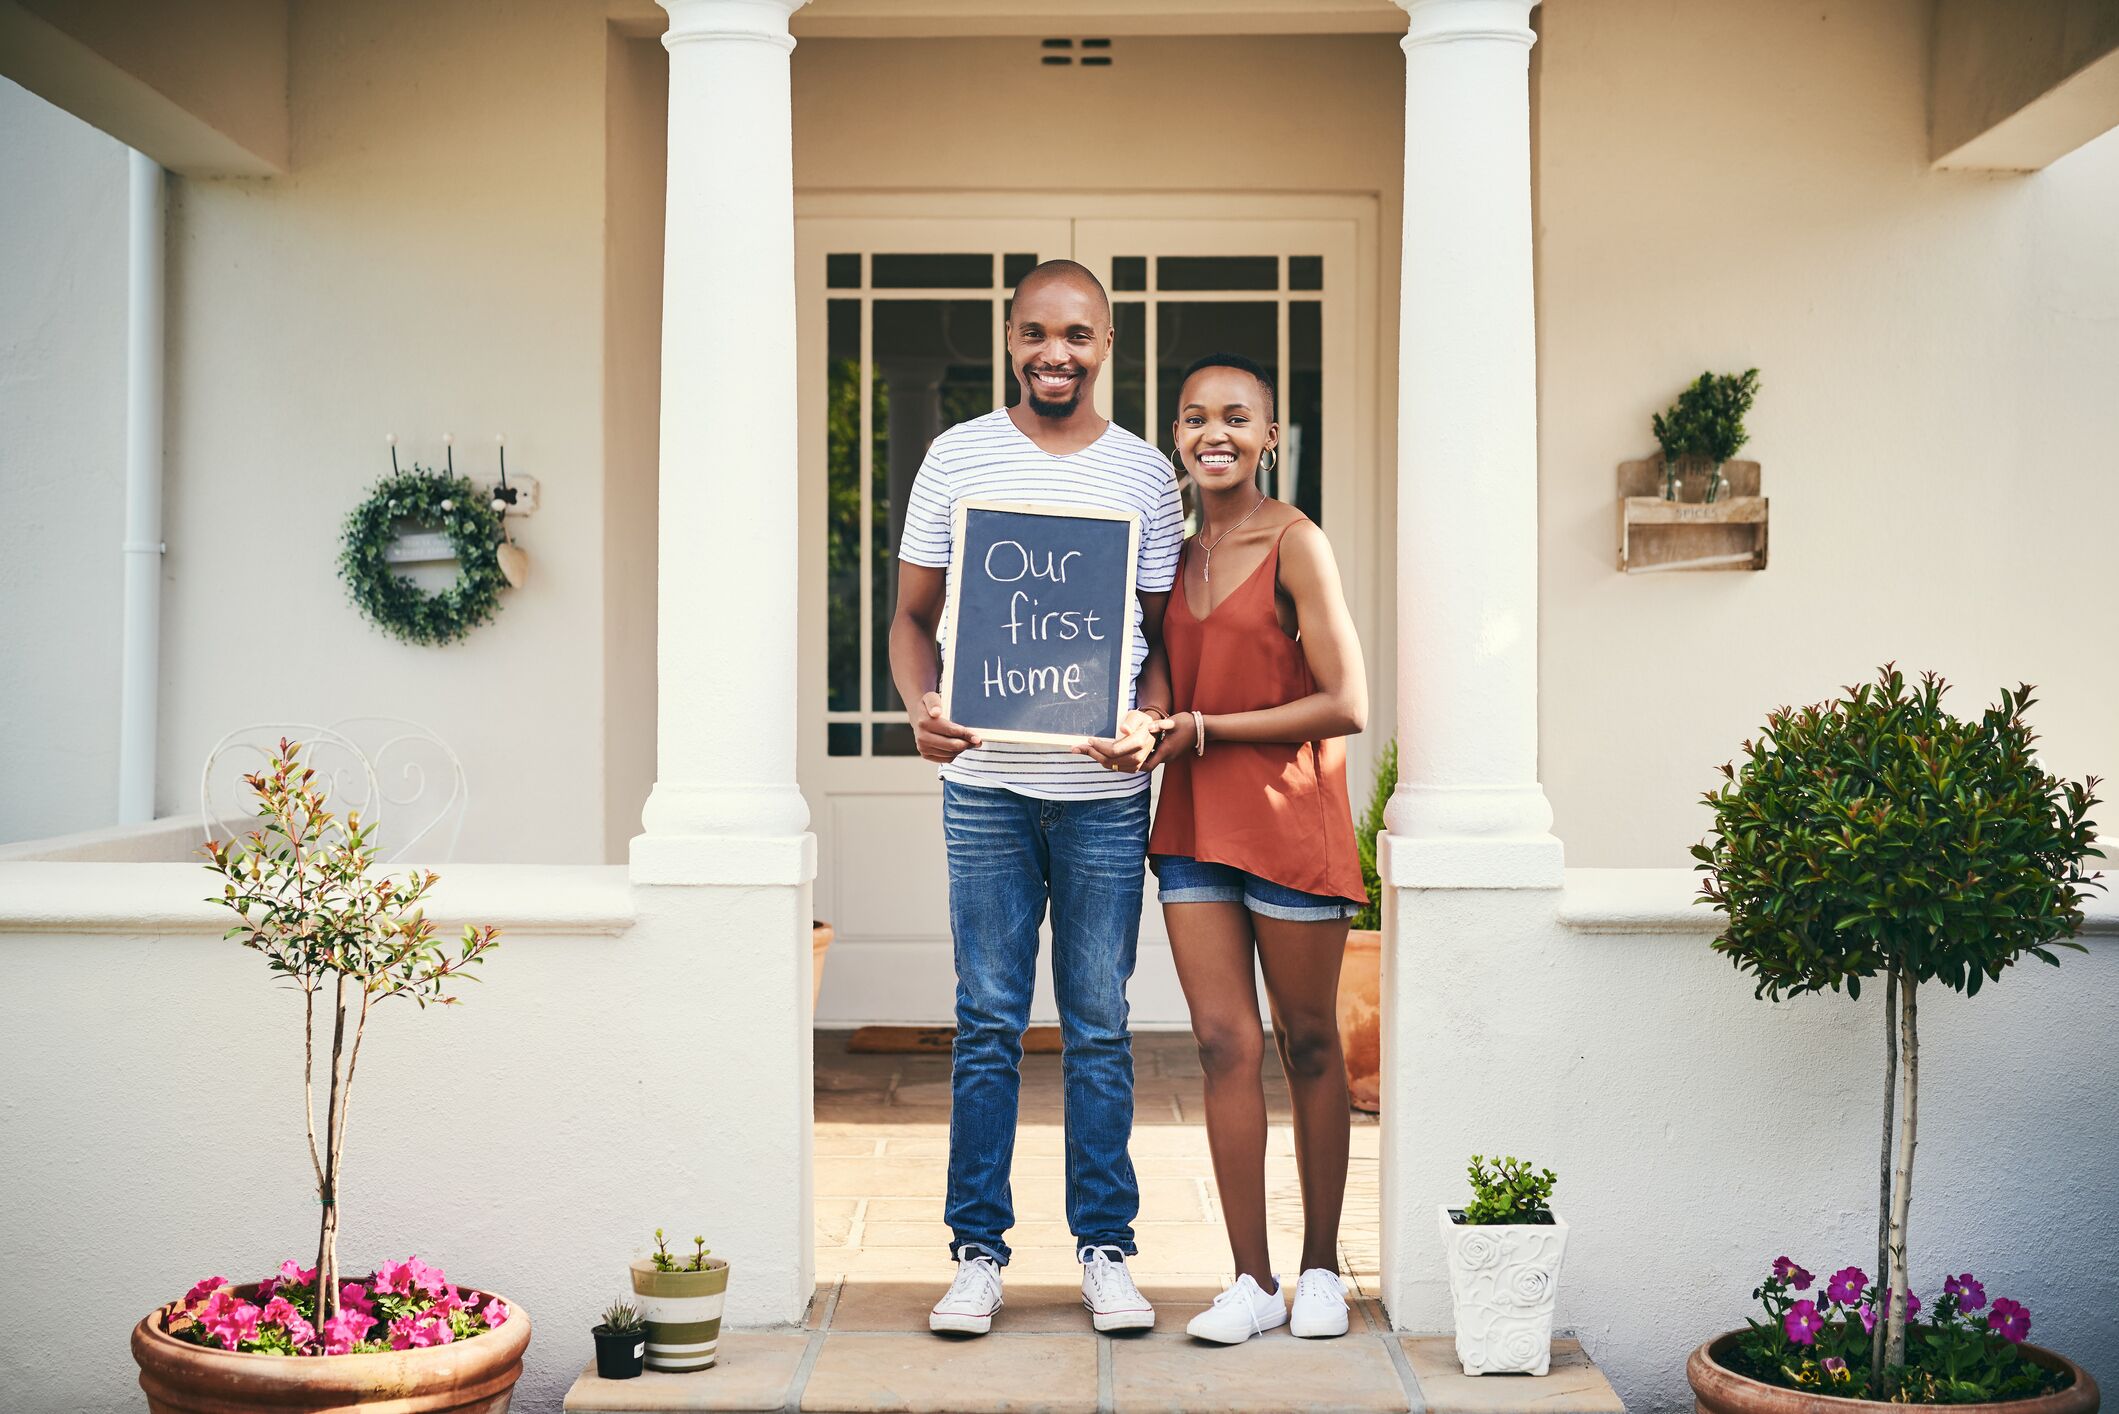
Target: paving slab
{"x": 1274, "y": 1372}
{"x": 994, "y": 1374}
{"x": 752, "y": 1371}
{"x": 1573, "y": 1386}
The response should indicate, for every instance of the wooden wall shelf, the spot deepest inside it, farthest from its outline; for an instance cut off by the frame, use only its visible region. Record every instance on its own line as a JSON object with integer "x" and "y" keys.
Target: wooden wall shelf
{"x": 1656, "y": 535}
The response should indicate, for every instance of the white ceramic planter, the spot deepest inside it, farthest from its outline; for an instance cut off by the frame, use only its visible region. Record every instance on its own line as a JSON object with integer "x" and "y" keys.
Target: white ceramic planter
{"x": 1502, "y": 1282}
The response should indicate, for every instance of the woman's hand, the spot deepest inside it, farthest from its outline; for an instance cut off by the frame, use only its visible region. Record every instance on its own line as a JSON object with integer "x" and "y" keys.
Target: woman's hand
{"x": 1178, "y": 738}
{"x": 1130, "y": 749}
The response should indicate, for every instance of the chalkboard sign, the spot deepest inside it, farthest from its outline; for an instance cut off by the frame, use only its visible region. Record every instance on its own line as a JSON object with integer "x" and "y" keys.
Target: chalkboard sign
{"x": 1038, "y": 645}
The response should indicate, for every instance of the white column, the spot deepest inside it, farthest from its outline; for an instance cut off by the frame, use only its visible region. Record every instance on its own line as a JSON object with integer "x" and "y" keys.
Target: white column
{"x": 726, "y": 638}
{"x": 138, "y": 683}
{"x": 723, "y": 868}
{"x": 1469, "y": 811}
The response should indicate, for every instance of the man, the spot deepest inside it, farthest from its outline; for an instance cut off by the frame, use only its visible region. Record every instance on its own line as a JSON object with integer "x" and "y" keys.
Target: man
{"x": 1028, "y": 827}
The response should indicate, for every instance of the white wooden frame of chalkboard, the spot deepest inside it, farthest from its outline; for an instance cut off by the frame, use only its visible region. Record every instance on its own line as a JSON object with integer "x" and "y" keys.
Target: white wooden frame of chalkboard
{"x": 956, "y": 577}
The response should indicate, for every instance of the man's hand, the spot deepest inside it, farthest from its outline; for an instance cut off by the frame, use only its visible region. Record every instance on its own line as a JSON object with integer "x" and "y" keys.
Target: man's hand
{"x": 1130, "y": 750}
{"x": 939, "y": 739}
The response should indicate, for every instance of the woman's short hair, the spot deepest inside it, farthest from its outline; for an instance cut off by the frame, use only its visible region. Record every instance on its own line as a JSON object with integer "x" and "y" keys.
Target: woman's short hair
{"x": 1242, "y": 365}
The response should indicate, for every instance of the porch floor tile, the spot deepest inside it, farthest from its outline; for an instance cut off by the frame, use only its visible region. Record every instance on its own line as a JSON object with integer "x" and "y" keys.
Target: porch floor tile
{"x": 882, "y": 1259}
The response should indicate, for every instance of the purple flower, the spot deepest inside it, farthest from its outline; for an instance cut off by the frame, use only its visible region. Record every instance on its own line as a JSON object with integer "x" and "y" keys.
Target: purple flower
{"x": 1802, "y": 1323}
{"x": 2009, "y": 1320}
{"x": 1868, "y": 1316}
{"x": 1883, "y": 1302}
{"x": 1835, "y": 1367}
{"x": 1971, "y": 1296}
{"x": 1785, "y": 1269}
{"x": 1846, "y": 1285}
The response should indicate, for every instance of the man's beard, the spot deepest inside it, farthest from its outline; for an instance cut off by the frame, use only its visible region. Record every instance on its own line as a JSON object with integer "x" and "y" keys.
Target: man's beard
{"x": 1052, "y": 410}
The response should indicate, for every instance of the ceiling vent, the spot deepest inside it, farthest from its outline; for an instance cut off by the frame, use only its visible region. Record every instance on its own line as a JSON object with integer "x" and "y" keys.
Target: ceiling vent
{"x": 1089, "y": 53}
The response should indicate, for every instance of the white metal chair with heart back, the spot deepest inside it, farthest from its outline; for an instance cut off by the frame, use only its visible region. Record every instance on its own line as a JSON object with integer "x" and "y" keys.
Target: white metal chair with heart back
{"x": 228, "y": 807}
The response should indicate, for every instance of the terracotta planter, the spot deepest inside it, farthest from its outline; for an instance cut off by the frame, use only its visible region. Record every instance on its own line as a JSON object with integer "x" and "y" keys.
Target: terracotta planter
{"x": 682, "y": 1312}
{"x": 1720, "y": 1390}
{"x": 819, "y": 944}
{"x": 1360, "y": 1017}
{"x": 474, "y": 1376}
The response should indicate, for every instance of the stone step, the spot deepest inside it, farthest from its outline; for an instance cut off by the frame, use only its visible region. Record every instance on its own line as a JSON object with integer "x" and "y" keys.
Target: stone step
{"x": 1075, "y": 1371}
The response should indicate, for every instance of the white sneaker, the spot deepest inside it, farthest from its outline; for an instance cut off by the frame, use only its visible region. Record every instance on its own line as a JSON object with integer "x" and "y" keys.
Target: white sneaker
{"x": 1320, "y": 1305}
{"x": 973, "y": 1298}
{"x": 1114, "y": 1302}
{"x": 1239, "y": 1313}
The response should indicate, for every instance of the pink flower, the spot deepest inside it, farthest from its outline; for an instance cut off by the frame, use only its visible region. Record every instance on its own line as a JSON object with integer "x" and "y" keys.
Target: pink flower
{"x": 229, "y": 1319}
{"x": 2009, "y": 1320}
{"x": 418, "y": 1331}
{"x": 268, "y": 1288}
{"x": 1786, "y": 1270}
{"x": 451, "y": 1300}
{"x": 204, "y": 1289}
{"x": 1846, "y": 1285}
{"x": 295, "y": 1275}
{"x": 1802, "y": 1323}
{"x": 393, "y": 1279}
{"x": 353, "y": 1295}
{"x": 1970, "y": 1293}
{"x": 343, "y": 1331}
{"x": 280, "y": 1312}
{"x": 426, "y": 1278}
{"x": 496, "y": 1312}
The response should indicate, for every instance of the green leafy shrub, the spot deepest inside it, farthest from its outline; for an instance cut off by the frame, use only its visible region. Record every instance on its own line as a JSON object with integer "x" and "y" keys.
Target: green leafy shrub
{"x": 1509, "y": 1191}
{"x": 1879, "y": 835}
{"x": 666, "y": 1261}
{"x": 1371, "y": 914}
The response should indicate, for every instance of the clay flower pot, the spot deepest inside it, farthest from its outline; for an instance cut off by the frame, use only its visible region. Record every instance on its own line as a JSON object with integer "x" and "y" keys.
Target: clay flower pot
{"x": 1504, "y": 1279}
{"x": 1361, "y": 1016}
{"x": 682, "y": 1313}
{"x": 471, "y": 1376}
{"x": 1720, "y": 1390}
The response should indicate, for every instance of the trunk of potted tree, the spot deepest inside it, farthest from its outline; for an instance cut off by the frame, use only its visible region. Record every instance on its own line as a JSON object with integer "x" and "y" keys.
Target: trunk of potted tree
{"x": 1503, "y": 1281}
{"x": 682, "y": 1312}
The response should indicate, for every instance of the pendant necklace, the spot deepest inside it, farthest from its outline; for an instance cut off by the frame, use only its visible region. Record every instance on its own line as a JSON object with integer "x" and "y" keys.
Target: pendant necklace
{"x": 1206, "y": 570}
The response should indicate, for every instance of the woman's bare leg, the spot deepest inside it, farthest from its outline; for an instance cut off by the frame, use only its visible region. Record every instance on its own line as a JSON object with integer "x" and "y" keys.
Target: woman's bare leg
{"x": 1301, "y": 962}
{"x": 1212, "y": 944}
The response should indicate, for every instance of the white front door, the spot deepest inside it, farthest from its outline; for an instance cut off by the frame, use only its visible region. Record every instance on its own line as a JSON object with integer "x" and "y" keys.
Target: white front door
{"x": 900, "y": 336}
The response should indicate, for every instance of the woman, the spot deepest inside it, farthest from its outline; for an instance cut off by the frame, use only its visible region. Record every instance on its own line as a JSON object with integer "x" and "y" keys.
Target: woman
{"x": 1253, "y": 843}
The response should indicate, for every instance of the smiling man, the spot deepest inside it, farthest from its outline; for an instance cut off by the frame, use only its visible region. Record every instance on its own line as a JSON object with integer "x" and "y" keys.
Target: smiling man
{"x": 1026, "y": 828}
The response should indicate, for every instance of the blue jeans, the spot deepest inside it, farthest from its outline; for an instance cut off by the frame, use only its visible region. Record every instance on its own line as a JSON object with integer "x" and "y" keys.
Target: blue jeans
{"x": 1009, "y": 855}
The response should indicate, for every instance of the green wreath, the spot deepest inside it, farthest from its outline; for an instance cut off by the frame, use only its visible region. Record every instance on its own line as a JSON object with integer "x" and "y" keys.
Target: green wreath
{"x": 398, "y": 606}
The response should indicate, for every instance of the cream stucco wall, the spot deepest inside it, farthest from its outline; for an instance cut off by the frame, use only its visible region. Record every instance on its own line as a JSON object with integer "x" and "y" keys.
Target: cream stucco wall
{"x": 62, "y": 467}
{"x": 1726, "y": 185}
{"x": 433, "y": 263}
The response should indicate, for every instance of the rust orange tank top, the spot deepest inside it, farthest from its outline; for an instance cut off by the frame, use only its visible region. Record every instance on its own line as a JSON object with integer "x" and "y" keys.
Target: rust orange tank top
{"x": 1275, "y": 809}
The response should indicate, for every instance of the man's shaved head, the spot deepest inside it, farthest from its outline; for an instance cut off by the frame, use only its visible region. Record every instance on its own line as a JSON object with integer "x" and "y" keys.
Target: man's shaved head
{"x": 1070, "y": 272}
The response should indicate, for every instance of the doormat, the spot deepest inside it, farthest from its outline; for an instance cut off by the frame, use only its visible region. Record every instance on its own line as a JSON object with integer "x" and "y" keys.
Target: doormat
{"x": 935, "y": 1040}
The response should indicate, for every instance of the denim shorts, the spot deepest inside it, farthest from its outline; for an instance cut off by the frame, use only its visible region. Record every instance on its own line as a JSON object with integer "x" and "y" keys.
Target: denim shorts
{"x": 1182, "y": 879}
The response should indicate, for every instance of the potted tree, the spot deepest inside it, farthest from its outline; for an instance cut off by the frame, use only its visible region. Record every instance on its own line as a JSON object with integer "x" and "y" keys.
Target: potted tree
{"x": 1360, "y": 1002}
{"x": 621, "y": 1343}
{"x": 680, "y": 1304}
{"x": 306, "y": 896}
{"x": 1880, "y": 836}
{"x": 1504, "y": 1250}
{"x": 1704, "y": 428}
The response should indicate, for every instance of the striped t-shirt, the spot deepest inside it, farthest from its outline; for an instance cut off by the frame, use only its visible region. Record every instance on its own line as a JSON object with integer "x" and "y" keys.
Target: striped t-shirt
{"x": 989, "y": 459}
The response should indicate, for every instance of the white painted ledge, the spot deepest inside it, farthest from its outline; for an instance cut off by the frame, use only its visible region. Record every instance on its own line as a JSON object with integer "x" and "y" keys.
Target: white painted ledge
{"x": 58, "y": 897}
{"x": 1665, "y": 901}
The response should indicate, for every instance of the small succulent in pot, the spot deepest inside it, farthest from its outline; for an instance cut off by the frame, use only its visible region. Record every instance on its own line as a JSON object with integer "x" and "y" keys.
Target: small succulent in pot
{"x": 621, "y": 1342}
{"x": 680, "y": 1304}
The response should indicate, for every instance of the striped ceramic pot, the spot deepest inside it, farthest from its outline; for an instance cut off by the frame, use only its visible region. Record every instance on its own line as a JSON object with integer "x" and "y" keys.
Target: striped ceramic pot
{"x": 682, "y": 1312}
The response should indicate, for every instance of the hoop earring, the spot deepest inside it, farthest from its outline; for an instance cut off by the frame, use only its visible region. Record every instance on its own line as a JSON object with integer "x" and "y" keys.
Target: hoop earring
{"x": 1177, "y": 463}
{"x": 1269, "y": 461}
